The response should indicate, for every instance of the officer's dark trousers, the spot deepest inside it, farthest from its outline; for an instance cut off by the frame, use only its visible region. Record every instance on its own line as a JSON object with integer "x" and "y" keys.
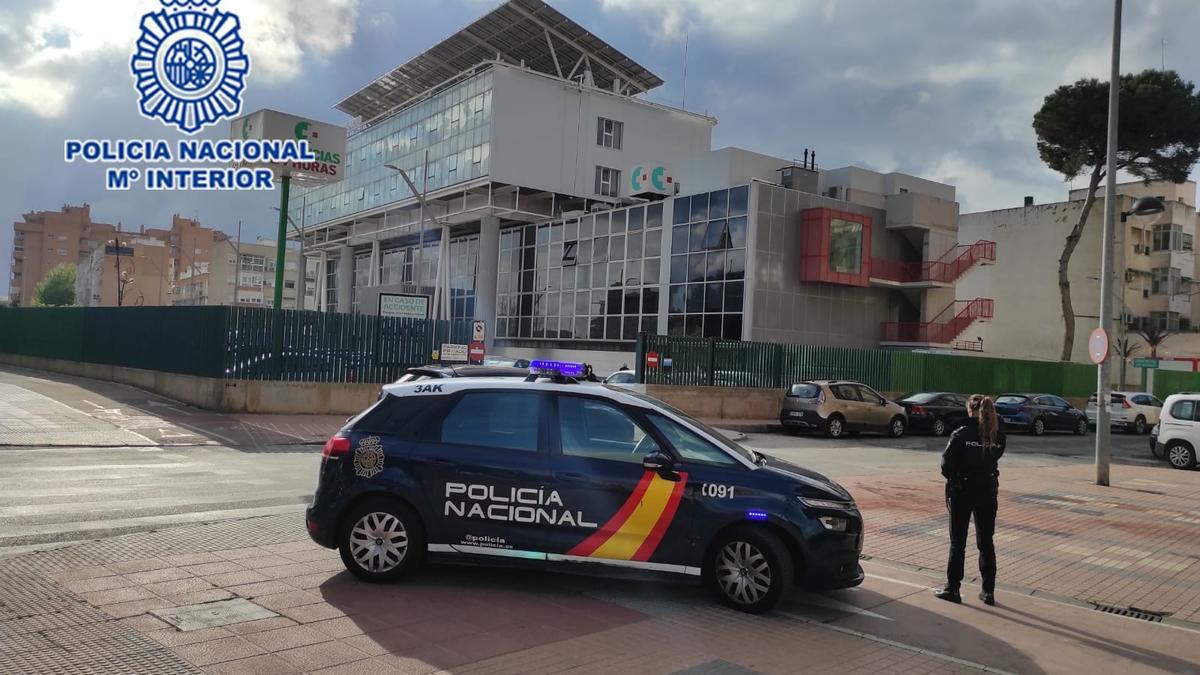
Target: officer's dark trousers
{"x": 962, "y": 504}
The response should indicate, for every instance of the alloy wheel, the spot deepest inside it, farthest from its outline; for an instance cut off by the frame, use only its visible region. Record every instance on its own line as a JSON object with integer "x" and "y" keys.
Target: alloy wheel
{"x": 1180, "y": 456}
{"x": 1139, "y": 426}
{"x": 835, "y": 428}
{"x": 897, "y": 428}
{"x": 939, "y": 427}
{"x": 743, "y": 572}
{"x": 378, "y": 542}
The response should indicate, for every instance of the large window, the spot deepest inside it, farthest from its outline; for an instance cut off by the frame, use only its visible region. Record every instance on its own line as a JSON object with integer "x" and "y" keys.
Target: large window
{"x": 1165, "y": 320}
{"x": 609, "y": 132}
{"x": 608, "y": 182}
{"x": 1166, "y": 281}
{"x": 845, "y": 246}
{"x": 331, "y": 285}
{"x": 454, "y": 125}
{"x": 502, "y": 420}
{"x": 1168, "y": 237}
{"x": 600, "y": 430}
{"x": 589, "y": 278}
{"x": 708, "y": 264}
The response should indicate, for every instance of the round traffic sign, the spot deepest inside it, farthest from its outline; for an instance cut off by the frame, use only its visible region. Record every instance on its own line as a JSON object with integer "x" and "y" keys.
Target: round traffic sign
{"x": 1098, "y": 346}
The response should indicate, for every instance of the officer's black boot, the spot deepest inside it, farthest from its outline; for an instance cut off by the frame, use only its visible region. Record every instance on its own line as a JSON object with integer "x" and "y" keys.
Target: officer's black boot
{"x": 948, "y": 594}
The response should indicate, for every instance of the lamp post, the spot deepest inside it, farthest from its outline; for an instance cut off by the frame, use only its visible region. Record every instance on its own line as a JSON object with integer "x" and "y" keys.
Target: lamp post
{"x": 441, "y": 297}
{"x": 301, "y": 275}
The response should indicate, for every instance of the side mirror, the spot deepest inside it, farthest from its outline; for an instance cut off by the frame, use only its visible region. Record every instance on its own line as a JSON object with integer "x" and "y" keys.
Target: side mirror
{"x": 661, "y": 464}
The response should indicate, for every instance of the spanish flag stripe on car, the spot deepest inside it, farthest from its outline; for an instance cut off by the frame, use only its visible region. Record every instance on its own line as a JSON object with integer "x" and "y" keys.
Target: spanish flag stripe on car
{"x": 638, "y": 526}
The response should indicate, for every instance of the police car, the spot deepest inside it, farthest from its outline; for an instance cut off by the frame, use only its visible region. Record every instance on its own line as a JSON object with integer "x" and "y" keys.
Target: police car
{"x": 550, "y": 471}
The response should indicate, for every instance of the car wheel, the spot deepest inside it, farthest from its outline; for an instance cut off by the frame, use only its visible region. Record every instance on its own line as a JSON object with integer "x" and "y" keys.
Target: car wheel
{"x": 835, "y": 427}
{"x": 896, "y": 428}
{"x": 939, "y": 427}
{"x": 1081, "y": 428}
{"x": 750, "y": 570}
{"x": 1038, "y": 428}
{"x": 1139, "y": 425}
{"x": 381, "y": 540}
{"x": 1181, "y": 456}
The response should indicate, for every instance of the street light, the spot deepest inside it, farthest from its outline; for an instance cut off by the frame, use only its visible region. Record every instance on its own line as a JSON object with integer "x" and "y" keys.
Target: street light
{"x": 301, "y": 275}
{"x": 441, "y": 296}
{"x": 1143, "y": 206}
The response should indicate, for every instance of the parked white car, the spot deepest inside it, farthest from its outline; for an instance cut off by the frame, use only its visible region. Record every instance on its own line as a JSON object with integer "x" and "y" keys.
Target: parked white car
{"x": 1134, "y": 411}
{"x": 1179, "y": 430}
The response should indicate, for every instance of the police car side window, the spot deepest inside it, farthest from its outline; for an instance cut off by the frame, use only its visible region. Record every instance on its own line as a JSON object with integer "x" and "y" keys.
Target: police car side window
{"x": 600, "y": 430}
{"x": 393, "y": 414}
{"x": 503, "y": 420}
{"x": 691, "y": 447}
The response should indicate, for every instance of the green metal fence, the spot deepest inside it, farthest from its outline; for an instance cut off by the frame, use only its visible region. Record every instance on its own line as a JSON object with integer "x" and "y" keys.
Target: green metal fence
{"x": 230, "y": 342}
{"x": 711, "y": 362}
{"x": 1167, "y": 382}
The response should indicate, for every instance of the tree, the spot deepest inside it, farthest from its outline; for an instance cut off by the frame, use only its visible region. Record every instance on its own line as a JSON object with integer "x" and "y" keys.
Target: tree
{"x": 1124, "y": 347}
{"x": 1158, "y": 139}
{"x": 57, "y": 289}
{"x": 1154, "y": 336}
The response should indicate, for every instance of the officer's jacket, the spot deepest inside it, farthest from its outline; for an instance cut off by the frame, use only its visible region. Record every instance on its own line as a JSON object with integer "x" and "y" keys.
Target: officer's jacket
{"x": 968, "y": 462}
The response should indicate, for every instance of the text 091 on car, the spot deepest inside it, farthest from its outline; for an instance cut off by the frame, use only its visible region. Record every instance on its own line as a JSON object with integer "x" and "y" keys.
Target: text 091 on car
{"x": 547, "y": 471}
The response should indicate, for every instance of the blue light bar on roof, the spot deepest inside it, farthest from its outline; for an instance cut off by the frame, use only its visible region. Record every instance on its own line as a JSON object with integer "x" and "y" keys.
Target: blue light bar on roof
{"x": 564, "y": 368}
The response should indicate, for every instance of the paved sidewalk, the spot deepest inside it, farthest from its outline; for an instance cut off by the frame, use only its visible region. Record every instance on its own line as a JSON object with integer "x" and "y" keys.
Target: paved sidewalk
{"x": 1131, "y": 545}
{"x": 88, "y": 609}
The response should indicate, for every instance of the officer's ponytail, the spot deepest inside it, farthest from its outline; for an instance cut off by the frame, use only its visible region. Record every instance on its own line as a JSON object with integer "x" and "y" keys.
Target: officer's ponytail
{"x": 984, "y": 410}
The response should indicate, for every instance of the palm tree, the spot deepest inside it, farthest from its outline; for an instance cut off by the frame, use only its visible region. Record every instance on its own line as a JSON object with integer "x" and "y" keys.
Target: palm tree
{"x": 1125, "y": 348}
{"x": 1154, "y": 336}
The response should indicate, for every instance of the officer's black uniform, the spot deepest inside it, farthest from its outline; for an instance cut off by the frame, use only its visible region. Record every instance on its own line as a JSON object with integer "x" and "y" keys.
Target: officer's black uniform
{"x": 972, "y": 480}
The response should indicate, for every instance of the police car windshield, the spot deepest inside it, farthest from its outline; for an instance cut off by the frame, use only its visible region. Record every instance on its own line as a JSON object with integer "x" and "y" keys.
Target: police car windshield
{"x": 716, "y": 436}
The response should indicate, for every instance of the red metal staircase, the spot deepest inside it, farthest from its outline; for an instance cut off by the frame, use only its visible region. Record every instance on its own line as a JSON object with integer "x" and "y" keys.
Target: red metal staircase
{"x": 946, "y": 269}
{"x": 944, "y": 328}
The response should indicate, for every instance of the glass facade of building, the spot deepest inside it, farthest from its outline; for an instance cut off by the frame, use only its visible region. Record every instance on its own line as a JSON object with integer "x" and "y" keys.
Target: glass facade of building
{"x": 708, "y": 264}
{"x": 590, "y": 278}
{"x": 453, "y": 125}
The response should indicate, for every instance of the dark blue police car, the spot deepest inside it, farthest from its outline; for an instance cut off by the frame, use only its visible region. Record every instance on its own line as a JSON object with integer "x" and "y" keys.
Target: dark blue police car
{"x": 548, "y": 470}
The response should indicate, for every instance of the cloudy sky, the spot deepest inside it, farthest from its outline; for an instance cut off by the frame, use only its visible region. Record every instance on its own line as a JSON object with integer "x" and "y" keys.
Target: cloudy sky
{"x": 945, "y": 89}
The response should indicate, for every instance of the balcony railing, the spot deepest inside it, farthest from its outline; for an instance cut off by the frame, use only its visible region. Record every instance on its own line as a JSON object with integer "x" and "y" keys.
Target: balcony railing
{"x": 945, "y": 328}
{"x": 946, "y": 270}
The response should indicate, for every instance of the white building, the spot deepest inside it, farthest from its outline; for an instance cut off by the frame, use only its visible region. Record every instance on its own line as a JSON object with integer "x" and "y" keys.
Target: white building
{"x": 1154, "y": 259}
{"x": 578, "y": 213}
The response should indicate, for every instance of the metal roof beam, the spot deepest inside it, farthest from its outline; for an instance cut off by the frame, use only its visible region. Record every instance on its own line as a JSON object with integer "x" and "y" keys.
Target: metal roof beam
{"x": 583, "y": 50}
{"x": 553, "y": 55}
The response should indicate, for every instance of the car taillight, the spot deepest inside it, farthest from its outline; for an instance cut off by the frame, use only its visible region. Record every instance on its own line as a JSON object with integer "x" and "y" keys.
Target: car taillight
{"x": 821, "y": 397}
{"x": 1125, "y": 404}
{"x": 918, "y": 410}
{"x": 1024, "y": 410}
{"x": 336, "y": 447}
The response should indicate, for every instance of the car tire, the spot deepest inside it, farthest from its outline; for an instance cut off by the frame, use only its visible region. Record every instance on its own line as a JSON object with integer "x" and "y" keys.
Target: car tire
{"x": 388, "y": 522}
{"x": 1038, "y": 427}
{"x": 1081, "y": 427}
{"x": 750, "y": 570}
{"x": 896, "y": 427}
{"x": 1181, "y": 455}
{"x": 836, "y": 427}
{"x": 939, "y": 427}
{"x": 1139, "y": 426}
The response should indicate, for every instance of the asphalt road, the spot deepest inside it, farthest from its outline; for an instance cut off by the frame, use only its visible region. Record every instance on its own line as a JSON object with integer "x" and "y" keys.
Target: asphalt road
{"x": 86, "y": 459}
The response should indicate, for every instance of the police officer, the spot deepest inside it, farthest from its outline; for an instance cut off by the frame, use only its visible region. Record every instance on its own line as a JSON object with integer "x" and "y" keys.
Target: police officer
{"x": 969, "y": 465}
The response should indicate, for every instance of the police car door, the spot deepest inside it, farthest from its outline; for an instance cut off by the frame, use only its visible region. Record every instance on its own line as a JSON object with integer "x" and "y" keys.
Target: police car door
{"x": 608, "y": 507}
{"x": 487, "y": 474}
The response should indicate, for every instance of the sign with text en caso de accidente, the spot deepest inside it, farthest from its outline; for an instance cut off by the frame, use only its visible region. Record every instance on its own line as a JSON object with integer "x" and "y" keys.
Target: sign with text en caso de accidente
{"x": 326, "y": 141}
{"x": 404, "y": 306}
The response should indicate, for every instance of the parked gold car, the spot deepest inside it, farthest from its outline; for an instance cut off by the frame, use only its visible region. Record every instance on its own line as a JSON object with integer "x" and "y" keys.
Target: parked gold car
{"x": 840, "y": 407}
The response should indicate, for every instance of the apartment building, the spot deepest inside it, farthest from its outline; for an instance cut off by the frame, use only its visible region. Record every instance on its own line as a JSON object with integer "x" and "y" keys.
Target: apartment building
{"x": 568, "y": 211}
{"x": 252, "y": 282}
{"x": 43, "y": 240}
{"x": 1154, "y": 263}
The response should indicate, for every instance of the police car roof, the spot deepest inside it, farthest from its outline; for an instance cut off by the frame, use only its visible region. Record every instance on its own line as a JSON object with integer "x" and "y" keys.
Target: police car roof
{"x": 456, "y": 384}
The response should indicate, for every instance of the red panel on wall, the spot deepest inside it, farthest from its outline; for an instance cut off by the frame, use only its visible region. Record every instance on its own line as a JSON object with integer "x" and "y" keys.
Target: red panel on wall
{"x": 817, "y": 243}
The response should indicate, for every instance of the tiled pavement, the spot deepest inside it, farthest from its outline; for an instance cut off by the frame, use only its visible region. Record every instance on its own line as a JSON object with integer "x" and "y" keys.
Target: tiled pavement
{"x": 1133, "y": 544}
{"x": 88, "y": 609}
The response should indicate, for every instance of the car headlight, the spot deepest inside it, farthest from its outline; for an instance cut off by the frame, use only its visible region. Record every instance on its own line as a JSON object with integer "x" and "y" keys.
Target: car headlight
{"x": 834, "y": 523}
{"x": 827, "y": 504}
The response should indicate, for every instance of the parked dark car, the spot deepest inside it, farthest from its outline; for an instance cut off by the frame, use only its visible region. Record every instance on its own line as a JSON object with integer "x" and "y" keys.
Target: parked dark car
{"x": 935, "y": 412}
{"x": 1039, "y": 413}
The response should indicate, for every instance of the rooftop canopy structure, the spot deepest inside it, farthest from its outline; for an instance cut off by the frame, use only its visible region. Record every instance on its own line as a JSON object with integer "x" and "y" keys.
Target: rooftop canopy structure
{"x": 524, "y": 32}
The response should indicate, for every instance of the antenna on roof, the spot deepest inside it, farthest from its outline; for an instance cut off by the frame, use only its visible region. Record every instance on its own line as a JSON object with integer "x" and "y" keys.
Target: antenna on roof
{"x": 685, "y": 48}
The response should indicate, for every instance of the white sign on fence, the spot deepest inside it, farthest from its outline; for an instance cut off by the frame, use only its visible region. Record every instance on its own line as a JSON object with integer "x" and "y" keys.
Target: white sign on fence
{"x": 404, "y": 305}
{"x": 454, "y": 353}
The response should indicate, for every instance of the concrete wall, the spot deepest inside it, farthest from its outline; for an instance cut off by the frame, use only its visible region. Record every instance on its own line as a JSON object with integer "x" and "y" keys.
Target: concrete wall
{"x": 544, "y": 134}
{"x": 231, "y": 396}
